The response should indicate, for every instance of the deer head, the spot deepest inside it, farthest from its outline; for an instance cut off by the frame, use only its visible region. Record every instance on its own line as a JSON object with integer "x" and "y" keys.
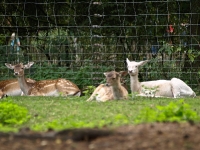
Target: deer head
{"x": 19, "y": 68}
{"x": 133, "y": 66}
{"x": 113, "y": 77}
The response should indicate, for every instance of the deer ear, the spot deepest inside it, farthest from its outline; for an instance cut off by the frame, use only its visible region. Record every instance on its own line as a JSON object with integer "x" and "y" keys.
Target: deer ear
{"x": 31, "y": 63}
{"x": 127, "y": 61}
{"x": 27, "y": 66}
{"x": 9, "y": 66}
{"x": 123, "y": 73}
{"x": 141, "y": 63}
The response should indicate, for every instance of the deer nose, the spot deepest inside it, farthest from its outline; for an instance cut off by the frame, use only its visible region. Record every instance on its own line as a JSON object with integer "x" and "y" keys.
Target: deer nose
{"x": 130, "y": 71}
{"x": 16, "y": 73}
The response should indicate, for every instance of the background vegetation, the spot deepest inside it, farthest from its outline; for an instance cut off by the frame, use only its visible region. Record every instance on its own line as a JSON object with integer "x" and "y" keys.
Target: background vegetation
{"x": 79, "y": 40}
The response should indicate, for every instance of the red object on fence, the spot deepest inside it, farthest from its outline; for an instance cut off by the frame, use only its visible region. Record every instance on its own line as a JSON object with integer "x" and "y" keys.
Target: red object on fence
{"x": 170, "y": 29}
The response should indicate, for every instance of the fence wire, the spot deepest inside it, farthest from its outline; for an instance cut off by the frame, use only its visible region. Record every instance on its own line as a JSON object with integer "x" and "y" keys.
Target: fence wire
{"x": 79, "y": 40}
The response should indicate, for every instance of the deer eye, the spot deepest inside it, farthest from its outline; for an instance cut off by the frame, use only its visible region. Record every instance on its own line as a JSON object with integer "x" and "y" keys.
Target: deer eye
{"x": 113, "y": 78}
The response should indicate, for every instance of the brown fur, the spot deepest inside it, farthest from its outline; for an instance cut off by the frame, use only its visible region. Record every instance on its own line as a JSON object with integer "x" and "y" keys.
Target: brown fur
{"x": 112, "y": 90}
{"x": 45, "y": 87}
{"x": 11, "y": 87}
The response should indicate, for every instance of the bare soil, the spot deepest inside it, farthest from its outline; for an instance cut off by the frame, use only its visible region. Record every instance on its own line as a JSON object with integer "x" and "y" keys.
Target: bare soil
{"x": 157, "y": 136}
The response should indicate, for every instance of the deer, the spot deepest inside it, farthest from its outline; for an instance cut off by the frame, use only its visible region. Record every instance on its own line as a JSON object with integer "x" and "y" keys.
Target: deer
{"x": 173, "y": 88}
{"x": 2, "y": 95}
{"x": 112, "y": 90}
{"x": 55, "y": 87}
{"x": 11, "y": 87}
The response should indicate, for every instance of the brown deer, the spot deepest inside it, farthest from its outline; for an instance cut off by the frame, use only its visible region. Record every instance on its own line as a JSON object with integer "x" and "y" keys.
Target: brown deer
{"x": 112, "y": 90}
{"x": 1, "y": 94}
{"x": 54, "y": 87}
{"x": 11, "y": 87}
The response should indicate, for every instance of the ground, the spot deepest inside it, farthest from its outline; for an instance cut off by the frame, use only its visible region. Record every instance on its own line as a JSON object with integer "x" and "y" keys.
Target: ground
{"x": 156, "y": 136}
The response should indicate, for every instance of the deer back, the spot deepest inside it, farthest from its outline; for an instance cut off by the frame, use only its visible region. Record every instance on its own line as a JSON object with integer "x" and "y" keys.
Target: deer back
{"x": 53, "y": 88}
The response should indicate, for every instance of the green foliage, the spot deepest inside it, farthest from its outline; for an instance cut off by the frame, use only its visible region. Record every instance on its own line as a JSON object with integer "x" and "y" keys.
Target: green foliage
{"x": 192, "y": 54}
{"x": 177, "y": 111}
{"x": 149, "y": 92}
{"x": 12, "y": 114}
{"x": 88, "y": 75}
{"x": 47, "y": 72}
{"x": 84, "y": 77}
{"x": 166, "y": 48}
{"x": 88, "y": 90}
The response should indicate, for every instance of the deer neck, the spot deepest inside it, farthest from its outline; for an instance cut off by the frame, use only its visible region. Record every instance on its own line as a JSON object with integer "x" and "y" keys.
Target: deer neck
{"x": 135, "y": 84}
{"x": 24, "y": 85}
{"x": 117, "y": 91}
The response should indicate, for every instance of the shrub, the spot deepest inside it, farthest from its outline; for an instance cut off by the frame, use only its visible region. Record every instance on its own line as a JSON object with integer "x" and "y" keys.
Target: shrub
{"x": 88, "y": 90}
{"x": 12, "y": 114}
{"x": 177, "y": 111}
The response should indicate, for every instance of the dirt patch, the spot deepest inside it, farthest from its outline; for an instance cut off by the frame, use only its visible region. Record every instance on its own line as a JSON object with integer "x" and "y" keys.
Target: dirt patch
{"x": 157, "y": 136}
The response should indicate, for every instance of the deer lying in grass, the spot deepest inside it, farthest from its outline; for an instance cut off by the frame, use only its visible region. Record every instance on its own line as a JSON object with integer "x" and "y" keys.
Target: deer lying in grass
{"x": 161, "y": 88}
{"x": 11, "y": 87}
{"x": 45, "y": 87}
{"x": 1, "y": 94}
{"x": 112, "y": 90}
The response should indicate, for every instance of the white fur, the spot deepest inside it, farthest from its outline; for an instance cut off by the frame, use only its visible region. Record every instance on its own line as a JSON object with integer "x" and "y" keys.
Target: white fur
{"x": 164, "y": 88}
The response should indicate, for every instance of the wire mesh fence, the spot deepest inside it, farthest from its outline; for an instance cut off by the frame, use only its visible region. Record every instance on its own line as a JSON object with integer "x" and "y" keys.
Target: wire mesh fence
{"x": 79, "y": 40}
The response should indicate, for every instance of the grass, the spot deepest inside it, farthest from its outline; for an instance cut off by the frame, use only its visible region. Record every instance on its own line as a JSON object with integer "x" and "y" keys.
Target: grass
{"x": 74, "y": 112}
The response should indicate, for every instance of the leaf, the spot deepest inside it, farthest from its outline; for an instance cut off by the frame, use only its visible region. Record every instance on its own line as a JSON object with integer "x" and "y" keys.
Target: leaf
{"x": 174, "y": 111}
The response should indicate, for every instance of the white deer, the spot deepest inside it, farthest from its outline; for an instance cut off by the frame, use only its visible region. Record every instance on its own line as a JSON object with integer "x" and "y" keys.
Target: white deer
{"x": 158, "y": 88}
{"x": 112, "y": 90}
{"x": 11, "y": 87}
{"x": 45, "y": 87}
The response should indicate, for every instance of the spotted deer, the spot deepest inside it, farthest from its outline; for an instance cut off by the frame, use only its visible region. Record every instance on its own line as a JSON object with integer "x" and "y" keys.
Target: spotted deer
{"x": 55, "y": 87}
{"x": 1, "y": 94}
{"x": 112, "y": 90}
{"x": 11, "y": 87}
{"x": 161, "y": 88}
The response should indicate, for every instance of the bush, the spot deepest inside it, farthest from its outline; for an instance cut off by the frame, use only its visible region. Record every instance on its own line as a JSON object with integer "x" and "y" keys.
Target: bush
{"x": 177, "y": 111}
{"x": 12, "y": 114}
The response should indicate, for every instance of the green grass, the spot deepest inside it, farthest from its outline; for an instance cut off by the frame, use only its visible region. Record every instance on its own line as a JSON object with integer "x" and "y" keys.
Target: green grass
{"x": 74, "y": 112}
